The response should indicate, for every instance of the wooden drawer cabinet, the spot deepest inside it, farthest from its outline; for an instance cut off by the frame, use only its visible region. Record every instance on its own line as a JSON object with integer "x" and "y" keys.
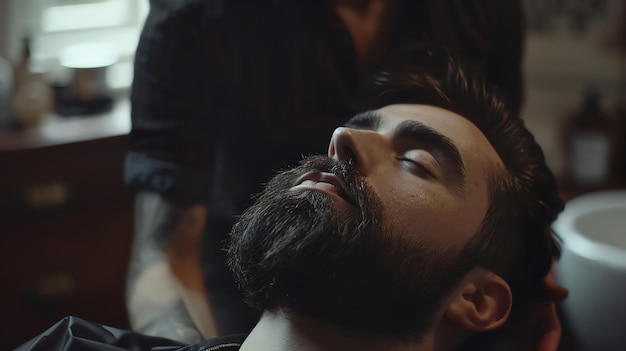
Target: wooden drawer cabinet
{"x": 77, "y": 176}
{"x": 66, "y": 226}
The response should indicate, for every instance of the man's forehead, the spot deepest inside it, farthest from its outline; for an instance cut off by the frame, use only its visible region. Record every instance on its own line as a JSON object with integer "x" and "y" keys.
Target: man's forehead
{"x": 391, "y": 115}
{"x": 448, "y": 123}
{"x": 433, "y": 116}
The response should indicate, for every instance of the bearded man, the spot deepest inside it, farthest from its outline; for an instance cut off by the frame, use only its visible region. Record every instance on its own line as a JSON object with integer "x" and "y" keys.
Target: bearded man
{"x": 426, "y": 227}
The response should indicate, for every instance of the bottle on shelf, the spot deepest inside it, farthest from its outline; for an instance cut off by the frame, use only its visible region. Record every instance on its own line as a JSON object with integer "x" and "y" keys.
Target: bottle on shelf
{"x": 33, "y": 96}
{"x": 6, "y": 91}
{"x": 589, "y": 145}
{"x": 618, "y": 112}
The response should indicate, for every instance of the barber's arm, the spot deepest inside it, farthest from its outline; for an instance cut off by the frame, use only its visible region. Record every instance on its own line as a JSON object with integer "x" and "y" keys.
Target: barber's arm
{"x": 165, "y": 293}
{"x": 168, "y": 166}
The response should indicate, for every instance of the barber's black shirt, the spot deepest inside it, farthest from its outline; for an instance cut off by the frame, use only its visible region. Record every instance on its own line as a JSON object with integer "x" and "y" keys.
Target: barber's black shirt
{"x": 227, "y": 92}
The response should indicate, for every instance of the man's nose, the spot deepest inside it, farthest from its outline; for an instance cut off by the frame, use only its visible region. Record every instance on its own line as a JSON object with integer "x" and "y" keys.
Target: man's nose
{"x": 350, "y": 145}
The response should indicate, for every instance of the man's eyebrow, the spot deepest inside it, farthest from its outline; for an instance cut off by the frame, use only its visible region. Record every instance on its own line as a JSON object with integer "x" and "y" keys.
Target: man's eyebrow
{"x": 421, "y": 133}
{"x": 365, "y": 120}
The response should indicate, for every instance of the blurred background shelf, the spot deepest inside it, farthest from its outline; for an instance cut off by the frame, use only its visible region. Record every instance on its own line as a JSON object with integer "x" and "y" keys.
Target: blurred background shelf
{"x": 65, "y": 223}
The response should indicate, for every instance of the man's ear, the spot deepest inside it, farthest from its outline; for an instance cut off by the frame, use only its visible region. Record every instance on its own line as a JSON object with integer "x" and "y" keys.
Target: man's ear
{"x": 481, "y": 303}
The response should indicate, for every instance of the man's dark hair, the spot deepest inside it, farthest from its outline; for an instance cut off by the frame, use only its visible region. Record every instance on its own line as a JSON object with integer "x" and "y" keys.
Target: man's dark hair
{"x": 515, "y": 239}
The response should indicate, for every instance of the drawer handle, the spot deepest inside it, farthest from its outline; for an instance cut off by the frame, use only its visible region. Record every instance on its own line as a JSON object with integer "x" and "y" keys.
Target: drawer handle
{"x": 52, "y": 286}
{"x": 46, "y": 195}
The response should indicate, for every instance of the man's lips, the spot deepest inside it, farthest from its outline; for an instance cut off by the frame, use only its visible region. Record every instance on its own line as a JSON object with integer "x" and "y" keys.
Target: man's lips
{"x": 325, "y": 182}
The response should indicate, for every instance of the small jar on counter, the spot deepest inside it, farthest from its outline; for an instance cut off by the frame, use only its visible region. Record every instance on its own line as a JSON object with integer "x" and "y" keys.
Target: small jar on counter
{"x": 589, "y": 145}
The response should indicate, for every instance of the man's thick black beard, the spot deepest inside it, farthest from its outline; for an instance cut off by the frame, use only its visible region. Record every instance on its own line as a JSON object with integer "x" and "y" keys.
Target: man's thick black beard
{"x": 298, "y": 250}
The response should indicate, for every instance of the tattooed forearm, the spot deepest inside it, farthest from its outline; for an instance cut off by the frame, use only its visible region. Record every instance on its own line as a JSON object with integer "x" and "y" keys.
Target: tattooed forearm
{"x": 156, "y": 306}
{"x": 165, "y": 293}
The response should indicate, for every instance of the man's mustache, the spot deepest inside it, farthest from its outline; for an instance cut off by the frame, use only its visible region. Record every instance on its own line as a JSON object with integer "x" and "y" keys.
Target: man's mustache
{"x": 343, "y": 170}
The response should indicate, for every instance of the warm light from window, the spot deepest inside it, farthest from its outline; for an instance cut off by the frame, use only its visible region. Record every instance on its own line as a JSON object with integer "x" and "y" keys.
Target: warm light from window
{"x": 84, "y": 16}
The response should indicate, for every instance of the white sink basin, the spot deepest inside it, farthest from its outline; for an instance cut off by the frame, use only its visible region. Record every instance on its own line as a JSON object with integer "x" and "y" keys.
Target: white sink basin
{"x": 593, "y": 268}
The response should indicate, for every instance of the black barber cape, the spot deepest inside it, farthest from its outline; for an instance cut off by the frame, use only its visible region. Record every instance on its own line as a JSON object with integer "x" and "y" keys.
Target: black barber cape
{"x": 75, "y": 334}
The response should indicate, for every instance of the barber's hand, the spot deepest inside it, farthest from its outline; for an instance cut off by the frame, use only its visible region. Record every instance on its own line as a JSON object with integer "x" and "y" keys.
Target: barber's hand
{"x": 543, "y": 329}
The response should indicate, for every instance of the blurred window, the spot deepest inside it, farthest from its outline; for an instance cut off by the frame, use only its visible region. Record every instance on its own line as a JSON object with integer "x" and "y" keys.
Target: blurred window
{"x": 63, "y": 15}
{"x": 56, "y": 25}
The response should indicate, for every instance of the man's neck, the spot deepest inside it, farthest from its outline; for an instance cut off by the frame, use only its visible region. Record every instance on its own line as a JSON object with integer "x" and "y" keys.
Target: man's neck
{"x": 281, "y": 331}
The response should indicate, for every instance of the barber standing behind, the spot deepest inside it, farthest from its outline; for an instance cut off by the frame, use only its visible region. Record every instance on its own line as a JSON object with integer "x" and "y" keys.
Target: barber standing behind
{"x": 227, "y": 92}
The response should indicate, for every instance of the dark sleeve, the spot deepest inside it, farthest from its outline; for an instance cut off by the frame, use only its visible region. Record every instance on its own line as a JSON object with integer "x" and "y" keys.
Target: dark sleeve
{"x": 175, "y": 101}
{"x": 75, "y": 334}
{"x": 505, "y": 56}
